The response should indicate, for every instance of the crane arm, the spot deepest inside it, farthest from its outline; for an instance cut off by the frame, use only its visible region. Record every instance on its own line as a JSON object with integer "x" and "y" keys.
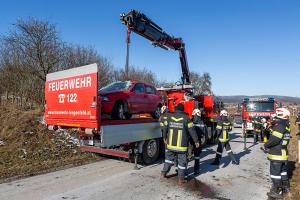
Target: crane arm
{"x": 145, "y": 27}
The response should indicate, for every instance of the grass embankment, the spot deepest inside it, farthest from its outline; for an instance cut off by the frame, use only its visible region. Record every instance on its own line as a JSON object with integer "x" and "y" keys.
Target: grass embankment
{"x": 28, "y": 148}
{"x": 294, "y": 168}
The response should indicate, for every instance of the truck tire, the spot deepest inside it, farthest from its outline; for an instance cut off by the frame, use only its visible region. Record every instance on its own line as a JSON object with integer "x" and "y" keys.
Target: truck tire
{"x": 150, "y": 151}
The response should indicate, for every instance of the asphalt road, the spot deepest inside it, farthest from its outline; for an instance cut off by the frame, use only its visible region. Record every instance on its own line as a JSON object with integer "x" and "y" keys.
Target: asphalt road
{"x": 113, "y": 179}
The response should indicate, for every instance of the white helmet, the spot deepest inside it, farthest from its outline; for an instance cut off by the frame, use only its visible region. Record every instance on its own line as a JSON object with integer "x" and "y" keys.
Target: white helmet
{"x": 282, "y": 113}
{"x": 224, "y": 113}
{"x": 196, "y": 112}
{"x": 263, "y": 120}
{"x": 163, "y": 109}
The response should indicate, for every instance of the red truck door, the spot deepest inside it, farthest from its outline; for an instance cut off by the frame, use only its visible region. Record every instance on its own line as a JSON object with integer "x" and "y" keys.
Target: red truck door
{"x": 71, "y": 97}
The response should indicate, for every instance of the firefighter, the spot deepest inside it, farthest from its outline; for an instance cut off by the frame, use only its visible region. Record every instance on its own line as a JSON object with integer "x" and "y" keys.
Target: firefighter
{"x": 277, "y": 147}
{"x": 200, "y": 130}
{"x": 176, "y": 129}
{"x": 265, "y": 129}
{"x": 223, "y": 128}
{"x": 257, "y": 128}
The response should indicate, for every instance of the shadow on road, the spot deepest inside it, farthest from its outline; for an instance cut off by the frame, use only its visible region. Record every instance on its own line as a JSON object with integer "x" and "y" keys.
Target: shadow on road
{"x": 205, "y": 165}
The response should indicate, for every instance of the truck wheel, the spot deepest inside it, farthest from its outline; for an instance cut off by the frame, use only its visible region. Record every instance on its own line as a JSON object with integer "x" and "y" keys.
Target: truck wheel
{"x": 119, "y": 111}
{"x": 156, "y": 114}
{"x": 150, "y": 151}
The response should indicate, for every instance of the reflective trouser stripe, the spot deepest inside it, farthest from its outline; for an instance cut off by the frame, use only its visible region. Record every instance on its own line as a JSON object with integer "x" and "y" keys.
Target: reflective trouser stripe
{"x": 181, "y": 167}
{"x": 275, "y": 177}
{"x": 169, "y": 161}
{"x": 219, "y": 153}
{"x": 196, "y": 158}
{"x": 229, "y": 151}
{"x": 265, "y": 139}
{"x": 284, "y": 173}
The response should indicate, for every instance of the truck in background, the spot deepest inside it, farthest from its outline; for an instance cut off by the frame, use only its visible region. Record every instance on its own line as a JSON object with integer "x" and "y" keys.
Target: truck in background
{"x": 256, "y": 107}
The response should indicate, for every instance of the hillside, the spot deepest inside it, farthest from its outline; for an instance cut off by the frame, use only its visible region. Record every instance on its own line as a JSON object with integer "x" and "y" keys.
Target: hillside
{"x": 239, "y": 98}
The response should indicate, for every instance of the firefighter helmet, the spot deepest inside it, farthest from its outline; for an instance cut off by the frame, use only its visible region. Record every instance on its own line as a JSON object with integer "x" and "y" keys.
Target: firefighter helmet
{"x": 196, "y": 112}
{"x": 282, "y": 113}
{"x": 263, "y": 120}
{"x": 224, "y": 113}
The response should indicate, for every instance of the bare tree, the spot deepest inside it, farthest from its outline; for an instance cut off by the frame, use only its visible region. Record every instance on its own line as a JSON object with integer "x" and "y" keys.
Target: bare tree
{"x": 36, "y": 46}
{"x": 201, "y": 82}
{"x": 78, "y": 56}
{"x": 32, "y": 49}
{"x": 136, "y": 74}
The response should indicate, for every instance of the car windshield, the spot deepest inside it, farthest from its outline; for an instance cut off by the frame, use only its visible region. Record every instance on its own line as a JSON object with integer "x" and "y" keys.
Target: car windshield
{"x": 260, "y": 107}
{"x": 116, "y": 86}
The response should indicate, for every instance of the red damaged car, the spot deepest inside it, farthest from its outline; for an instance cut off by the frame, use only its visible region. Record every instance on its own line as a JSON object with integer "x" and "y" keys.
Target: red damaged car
{"x": 124, "y": 98}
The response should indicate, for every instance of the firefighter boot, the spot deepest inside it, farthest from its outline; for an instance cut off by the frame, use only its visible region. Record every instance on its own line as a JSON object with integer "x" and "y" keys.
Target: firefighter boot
{"x": 233, "y": 160}
{"x": 196, "y": 167}
{"x": 275, "y": 192}
{"x": 217, "y": 160}
{"x": 286, "y": 187}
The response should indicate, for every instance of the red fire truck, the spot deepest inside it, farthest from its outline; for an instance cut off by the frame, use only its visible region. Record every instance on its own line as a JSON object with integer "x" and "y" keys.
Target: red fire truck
{"x": 72, "y": 101}
{"x": 256, "y": 107}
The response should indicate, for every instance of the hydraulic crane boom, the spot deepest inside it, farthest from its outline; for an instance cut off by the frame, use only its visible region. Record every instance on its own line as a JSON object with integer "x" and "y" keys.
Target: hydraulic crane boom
{"x": 142, "y": 25}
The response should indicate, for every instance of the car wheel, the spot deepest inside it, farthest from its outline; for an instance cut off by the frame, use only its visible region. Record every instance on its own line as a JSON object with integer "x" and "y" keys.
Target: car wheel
{"x": 156, "y": 114}
{"x": 150, "y": 151}
{"x": 119, "y": 111}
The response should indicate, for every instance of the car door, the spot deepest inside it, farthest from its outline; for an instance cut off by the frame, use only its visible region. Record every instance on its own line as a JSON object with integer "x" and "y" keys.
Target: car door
{"x": 152, "y": 98}
{"x": 138, "y": 98}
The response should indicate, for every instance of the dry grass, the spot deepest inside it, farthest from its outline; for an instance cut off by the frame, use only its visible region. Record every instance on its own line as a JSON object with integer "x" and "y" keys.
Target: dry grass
{"x": 28, "y": 148}
{"x": 293, "y": 167}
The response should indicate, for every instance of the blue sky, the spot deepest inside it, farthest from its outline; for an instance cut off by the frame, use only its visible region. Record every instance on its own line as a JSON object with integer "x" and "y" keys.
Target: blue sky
{"x": 249, "y": 47}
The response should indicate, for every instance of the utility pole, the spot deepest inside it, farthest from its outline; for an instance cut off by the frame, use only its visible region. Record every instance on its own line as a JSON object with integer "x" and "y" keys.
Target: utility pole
{"x": 127, "y": 53}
